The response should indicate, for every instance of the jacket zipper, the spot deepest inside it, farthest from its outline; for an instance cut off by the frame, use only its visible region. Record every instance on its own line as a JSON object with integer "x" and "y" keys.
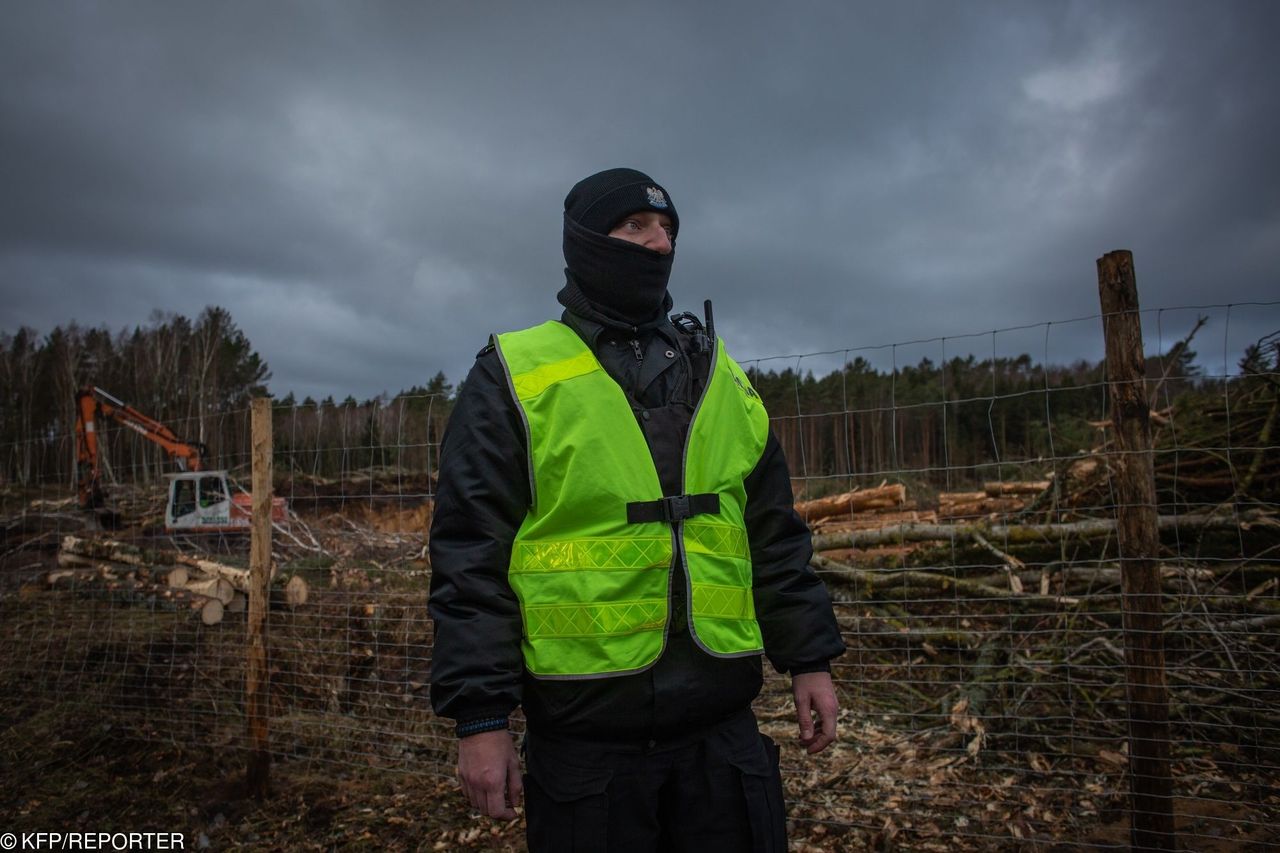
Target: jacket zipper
{"x": 635, "y": 348}
{"x": 677, "y": 529}
{"x": 677, "y": 556}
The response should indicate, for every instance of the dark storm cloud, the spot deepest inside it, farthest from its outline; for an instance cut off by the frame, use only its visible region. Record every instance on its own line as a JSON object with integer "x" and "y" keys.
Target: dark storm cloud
{"x": 371, "y": 189}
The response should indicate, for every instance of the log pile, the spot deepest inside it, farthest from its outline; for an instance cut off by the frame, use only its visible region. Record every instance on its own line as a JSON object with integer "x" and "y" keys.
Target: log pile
{"x": 135, "y": 585}
{"x": 875, "y": 517}
{"x": 1015, "y": 587}
{"x": 887, "y": 504}
{"x": 995, "y": 501}
{"x": 161, "y": 577}
{"x": 843, "y": 506}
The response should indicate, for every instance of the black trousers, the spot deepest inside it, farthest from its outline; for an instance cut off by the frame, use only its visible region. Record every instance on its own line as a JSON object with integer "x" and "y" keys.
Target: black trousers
{"x": 718, "y": 790}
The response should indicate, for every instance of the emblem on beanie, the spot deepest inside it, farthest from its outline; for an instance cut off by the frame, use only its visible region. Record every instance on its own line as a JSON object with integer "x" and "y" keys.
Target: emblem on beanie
{"x": 656, "y": 198}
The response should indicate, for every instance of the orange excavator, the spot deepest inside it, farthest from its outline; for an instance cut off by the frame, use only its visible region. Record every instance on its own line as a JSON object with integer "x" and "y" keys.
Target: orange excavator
{"x": 198, "y": 500}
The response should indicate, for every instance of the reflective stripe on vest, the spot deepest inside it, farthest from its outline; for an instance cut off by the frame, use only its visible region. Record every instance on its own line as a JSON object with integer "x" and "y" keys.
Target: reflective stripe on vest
{"x": 593, "y": 588}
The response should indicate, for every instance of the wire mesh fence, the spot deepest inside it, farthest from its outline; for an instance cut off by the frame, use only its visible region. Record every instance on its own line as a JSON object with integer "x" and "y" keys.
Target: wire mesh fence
{"x": 962, "y": 492}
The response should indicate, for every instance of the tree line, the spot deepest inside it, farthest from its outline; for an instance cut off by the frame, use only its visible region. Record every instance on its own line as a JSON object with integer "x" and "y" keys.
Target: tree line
{"x": 947, "y": 424}
{"x": 326, "y": 440}
{"x": 189, "y": 375}
{"x": 196, "y": 377}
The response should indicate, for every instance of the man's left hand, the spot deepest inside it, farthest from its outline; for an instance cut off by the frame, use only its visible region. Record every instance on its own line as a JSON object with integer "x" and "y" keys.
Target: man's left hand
{"x": 815, "y": 694}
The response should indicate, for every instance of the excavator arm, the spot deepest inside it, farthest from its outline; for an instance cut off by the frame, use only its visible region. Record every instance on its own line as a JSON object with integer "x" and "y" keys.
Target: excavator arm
{"x": 91, "y": 403}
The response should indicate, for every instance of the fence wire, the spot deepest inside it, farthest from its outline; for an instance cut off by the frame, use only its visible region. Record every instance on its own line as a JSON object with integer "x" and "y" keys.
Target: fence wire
{"x": 962, "y": 499}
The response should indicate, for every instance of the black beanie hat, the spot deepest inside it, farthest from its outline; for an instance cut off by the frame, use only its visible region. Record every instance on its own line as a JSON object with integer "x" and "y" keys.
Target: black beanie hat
{"x": 600, "y": 201}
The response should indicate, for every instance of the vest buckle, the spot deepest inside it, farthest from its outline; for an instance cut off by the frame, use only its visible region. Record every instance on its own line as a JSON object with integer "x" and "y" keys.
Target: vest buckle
{"x": 673, "y": 509}
{"x": 676, "y": 508}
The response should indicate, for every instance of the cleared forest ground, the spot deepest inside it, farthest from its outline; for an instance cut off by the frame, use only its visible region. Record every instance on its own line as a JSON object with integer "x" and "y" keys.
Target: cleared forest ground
{"x": 970, "y": 720}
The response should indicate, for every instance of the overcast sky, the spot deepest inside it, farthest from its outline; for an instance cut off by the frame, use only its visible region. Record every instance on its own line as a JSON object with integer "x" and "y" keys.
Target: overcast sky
{"x": 371, "y": 188}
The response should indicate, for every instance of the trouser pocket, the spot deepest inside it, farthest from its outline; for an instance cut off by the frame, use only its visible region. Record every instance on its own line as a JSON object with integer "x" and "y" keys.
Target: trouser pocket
{"x": 566, "y": 805}
{"x": 766, "y": 809}
{"x": 754, "y": 757}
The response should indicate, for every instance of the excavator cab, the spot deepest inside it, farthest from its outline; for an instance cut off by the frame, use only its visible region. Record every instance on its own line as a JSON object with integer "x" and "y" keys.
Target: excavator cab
{"x": 203, "y": 502}
{"x": 198, "y": 500}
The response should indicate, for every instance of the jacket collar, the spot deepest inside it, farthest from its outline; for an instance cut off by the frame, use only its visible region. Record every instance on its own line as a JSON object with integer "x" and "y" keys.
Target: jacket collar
{"x": 590, "y": 329}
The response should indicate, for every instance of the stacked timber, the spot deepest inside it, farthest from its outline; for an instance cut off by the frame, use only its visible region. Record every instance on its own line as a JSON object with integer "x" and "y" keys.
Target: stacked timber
{"x": 874, "y": 508}
{"x": 887, "y": 504}
{"x": 844, "y": 506}
{"x": 132, "y": 585}
{"x": 997, "y": 500}
{"x": 205, "y": 586}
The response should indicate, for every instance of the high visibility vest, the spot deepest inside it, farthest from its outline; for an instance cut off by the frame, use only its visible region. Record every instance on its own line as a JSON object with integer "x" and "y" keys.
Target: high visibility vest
{"x": 591, "y": 562}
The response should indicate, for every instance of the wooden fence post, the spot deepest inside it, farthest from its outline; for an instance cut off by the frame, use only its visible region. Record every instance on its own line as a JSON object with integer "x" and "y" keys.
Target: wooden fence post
{"x": 257, "y": 680}
{"x": 1151, "y": 779}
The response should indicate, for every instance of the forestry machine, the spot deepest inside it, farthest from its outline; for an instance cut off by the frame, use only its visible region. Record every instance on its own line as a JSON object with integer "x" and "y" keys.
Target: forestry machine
{"x": 199, "y": 501}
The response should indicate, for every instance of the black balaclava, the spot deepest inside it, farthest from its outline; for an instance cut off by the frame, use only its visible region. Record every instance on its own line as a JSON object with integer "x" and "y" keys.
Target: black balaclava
{"x": 607, "y": 278}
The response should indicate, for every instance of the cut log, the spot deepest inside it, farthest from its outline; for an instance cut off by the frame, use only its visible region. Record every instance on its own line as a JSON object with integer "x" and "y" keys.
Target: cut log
{"x": 120, "y": 552}
{"x": 237, "y": 577}
{"x": 859, "y": 500}
{"x": 1083, "y": 469}
{"x": 103, "y": 550}
{"x": 218, "y": 588}
{"x": 874, "y": 520}
{"x": 945, "y": 498}
{"x": 97, "y": 583}
{"x": 293, "y": 595}
{"x": 74, "y": 561}
{"x": 156, "y": 574}
{"x": 101, "y": 566}
{"x": 71, "y": 578}
{"x": 296, "y": 592}
{"x": 210, "y": 609}
{"x": 1030, "y": 533}
{"x": 223, "y": 583}
{"x": 237, "y": 603}
{"x": 976, "y": 509}
{"x": 996, "y": 490}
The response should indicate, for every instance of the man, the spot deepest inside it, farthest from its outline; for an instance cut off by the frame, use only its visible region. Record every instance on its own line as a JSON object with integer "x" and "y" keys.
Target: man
{"x": 613, "y": 548}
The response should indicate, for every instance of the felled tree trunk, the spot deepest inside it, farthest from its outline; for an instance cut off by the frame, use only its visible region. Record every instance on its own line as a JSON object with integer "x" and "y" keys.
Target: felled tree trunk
{"x": 859, "y": 500}
{"x": 78, "y": 551}
{"x": 1025, "y": 533}
{"x": 1032, "y": 487}
{"x": 104, "y": 579}
{"x": 217, "y": 588}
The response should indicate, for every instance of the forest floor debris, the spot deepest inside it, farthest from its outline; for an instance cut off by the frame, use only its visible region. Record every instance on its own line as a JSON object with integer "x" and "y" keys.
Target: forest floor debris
{"x": 982, "y": 704}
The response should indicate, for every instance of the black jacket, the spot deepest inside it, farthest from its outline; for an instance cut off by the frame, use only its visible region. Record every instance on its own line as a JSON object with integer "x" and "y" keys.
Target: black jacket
{"x": 483, "y": 496}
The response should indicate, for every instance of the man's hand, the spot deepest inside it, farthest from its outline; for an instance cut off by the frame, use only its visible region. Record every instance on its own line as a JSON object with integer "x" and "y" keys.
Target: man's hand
{"x": 489, "y": 771}
{"x": 815, "y": 695}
